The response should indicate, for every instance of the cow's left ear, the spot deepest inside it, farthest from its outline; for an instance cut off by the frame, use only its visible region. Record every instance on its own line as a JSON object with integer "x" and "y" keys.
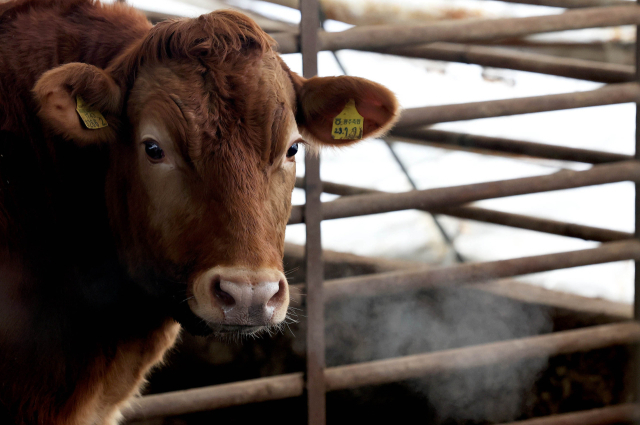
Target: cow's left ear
{"x": 322, "y": 99}
{"x": 80, "y": 102}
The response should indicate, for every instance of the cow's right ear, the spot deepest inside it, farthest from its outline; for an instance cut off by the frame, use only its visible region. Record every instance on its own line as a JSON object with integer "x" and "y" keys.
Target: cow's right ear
{"x": 57, "y": 93}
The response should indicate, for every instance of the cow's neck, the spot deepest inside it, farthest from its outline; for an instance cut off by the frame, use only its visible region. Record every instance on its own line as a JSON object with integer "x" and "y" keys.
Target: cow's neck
{"x": 64, "y": 246}
{"x": 55, "y": 194}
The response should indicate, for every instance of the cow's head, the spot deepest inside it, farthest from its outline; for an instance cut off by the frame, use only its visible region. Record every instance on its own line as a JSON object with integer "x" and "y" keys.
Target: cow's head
{"x": 204, "y": 122}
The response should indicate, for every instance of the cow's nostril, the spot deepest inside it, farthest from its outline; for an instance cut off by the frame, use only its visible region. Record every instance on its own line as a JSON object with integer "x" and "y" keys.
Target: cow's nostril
{"x": 279, "y": 297}
{"x": 225, "y": 298}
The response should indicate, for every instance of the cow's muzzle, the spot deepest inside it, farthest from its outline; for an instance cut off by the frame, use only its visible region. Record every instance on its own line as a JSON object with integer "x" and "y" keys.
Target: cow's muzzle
{"x": 232, "y": 298}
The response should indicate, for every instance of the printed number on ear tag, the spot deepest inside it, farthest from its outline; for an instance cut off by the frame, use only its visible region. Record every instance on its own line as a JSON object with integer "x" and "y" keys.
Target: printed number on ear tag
{"x": 91, "y": 119}
{"x": 349, "y": 124}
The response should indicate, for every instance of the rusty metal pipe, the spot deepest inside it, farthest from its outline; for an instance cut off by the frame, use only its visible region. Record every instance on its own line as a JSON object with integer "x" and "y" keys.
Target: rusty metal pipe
{"x": 428, "y": 136}
{"x": 384, "y": 371}
{"x": 623, "y": 413}
{"x": 393, "y": 370}
{"x": 607, "y": 95}
{"x": 215, "y": 397}
{"x": 543, "y": 225}
{"x": 567, "y": 4}
{"x": 430, "y": 199}
{"x": 510, "y": 59}
{"x": 314, "y": 269}
{"x": 498, "y": 217}
{"x": 570, "y": 4}
{"x": 384, "y": 36}
{"x": 416, "y": 279}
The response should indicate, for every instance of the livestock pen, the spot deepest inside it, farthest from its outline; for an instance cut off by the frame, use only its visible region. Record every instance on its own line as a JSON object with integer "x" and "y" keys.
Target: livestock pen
{"x": 452, "y": 41}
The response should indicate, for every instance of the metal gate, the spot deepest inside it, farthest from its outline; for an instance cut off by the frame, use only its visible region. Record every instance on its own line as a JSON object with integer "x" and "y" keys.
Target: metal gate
{"x": 410, "y": 40}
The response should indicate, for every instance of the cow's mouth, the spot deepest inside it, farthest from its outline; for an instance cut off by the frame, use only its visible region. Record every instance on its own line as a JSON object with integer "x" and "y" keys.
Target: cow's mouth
{"x": 195, "y": 325}
{"x": 237, "y": 329}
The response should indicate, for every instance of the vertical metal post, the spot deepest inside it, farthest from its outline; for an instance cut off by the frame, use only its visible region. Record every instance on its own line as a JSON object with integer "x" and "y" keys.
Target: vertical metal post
{"x": 636, "y": 304}
{"x": 315, "y": 385}
{"x": 635, "y": 352}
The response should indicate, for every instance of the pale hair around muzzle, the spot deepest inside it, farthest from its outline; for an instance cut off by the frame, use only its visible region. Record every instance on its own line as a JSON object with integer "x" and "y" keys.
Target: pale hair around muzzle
{"x": 236, "y": 296}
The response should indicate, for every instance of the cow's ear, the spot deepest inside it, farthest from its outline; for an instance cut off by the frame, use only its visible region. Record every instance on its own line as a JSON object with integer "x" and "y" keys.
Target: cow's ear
{"x": 322, "y": 99}
{"x": 80, "y": 102}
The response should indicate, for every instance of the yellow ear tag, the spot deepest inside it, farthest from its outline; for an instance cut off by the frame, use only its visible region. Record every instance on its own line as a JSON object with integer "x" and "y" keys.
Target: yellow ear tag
{"x": 349, "y": 124}
{"x": 92, "y": 119}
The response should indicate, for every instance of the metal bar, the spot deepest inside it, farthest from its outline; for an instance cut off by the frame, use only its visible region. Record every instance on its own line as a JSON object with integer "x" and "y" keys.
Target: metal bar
{"x": 267, "y": 24}
{"x": 607, "y": 95}
{"x": 518, "y": 147}
{"x": 315, "y": 384}
{"x": 521, "y": 61}
{"x": 623, "y": 413}
{"x": 570, "y": 4}
{"x": 379, "y": 372}
{"x": 554, "y": 227}
{"x": 543, "y": 346}
{"x": 341, "y": 189}
{"x": 567, "y": 4}
{"x": 498, "y": 217}
{"x": 636, "y": 304}
{"x": 215, "y": 397}
{"x": 635, "y": 364}
{"x": 430, "y": 199}
{"x": 413, "y": 280}
{"x": 531, "y": 294}
{"x": 384, "y": 36}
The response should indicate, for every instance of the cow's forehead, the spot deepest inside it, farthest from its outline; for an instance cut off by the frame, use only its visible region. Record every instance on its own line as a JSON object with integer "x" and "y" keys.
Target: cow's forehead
{"x": 202, "y": 106}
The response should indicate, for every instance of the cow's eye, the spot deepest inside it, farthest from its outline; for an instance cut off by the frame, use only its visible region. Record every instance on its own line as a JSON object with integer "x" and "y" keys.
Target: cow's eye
{"x": 292, "y": 150}
{"x": 153, "y": 151}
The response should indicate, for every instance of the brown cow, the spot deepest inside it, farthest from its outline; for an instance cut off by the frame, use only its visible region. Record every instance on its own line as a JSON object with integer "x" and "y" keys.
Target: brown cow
{"x": 176, "y": 210}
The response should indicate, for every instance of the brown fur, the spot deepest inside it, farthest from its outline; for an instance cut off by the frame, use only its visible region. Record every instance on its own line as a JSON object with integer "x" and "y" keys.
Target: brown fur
{"x": 99, "y": 245}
